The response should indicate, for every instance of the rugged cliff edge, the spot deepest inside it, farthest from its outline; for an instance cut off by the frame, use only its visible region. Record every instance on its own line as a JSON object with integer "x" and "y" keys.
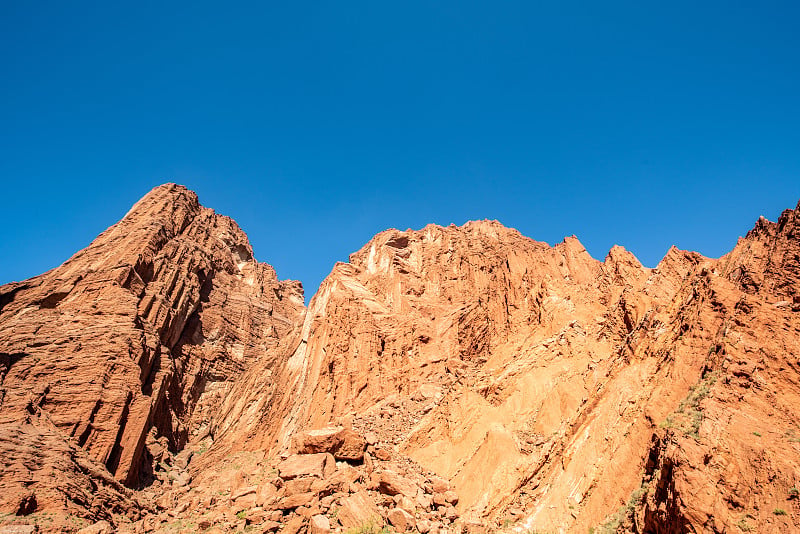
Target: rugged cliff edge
{"x": 129, "y": 346}
{"x": 485, "y": 381}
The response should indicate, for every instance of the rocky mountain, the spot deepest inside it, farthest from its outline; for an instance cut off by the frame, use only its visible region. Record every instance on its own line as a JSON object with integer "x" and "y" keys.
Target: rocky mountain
{"x": 458, "y": 379}
{"x": 116, "y": 358}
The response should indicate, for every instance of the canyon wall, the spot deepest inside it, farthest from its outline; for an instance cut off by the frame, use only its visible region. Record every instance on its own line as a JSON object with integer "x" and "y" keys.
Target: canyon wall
{"x": 130, "y": 345}
{"x": 546, "y": 390}
{"x": 557, "y": 392}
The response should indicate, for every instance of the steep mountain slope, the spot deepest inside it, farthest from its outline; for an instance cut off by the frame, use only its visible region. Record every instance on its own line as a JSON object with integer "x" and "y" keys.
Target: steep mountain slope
{"x": 552, "y": 390}
{"x": 478, "y": 381}
{"x": 128, "y": 347}
{"x": 729, "y": 457}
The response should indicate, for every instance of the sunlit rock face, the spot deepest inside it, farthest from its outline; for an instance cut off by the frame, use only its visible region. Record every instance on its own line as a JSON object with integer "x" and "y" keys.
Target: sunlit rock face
{"x": 132, "y": 343}
{"x": 474, "y": 378}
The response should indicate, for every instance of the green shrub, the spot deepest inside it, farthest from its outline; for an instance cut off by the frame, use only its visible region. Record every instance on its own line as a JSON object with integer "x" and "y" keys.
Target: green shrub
{"x": 369, "y": 528}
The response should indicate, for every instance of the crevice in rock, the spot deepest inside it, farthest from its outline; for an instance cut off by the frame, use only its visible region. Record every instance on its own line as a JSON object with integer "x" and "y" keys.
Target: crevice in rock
{"x": 52, "y": 300}
{"x": 145, "y": 270}
{"x": 7, "y": 297}
{"x": 27, "y": 505}
{"x": 7, "y": 360}
{"x": 661, "y": 509}
{"x": 116, "y": 452}
{"x": 89, "y": 425}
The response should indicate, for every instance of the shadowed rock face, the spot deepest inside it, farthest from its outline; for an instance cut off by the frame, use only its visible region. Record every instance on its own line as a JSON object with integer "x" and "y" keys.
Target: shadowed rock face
{"x": 131, "y": 343}
{"x": 503, "y": 382}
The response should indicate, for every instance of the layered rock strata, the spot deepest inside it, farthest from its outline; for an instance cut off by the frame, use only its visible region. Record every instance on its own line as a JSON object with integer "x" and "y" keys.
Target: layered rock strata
{"x": 556, "y": 391}
{"x": 446, "y": 379}
{"x": 130, "y": 345}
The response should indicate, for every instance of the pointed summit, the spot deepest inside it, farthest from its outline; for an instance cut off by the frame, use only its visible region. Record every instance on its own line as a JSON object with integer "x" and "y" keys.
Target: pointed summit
{"x": 167, "y": 299}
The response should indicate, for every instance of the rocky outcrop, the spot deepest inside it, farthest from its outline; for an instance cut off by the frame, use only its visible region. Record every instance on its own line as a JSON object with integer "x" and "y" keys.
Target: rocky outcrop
{"x": 446, "y": 379}
{"x": 130, "y": 345}
{"x": 308, "y": 492}
{"x": 537, "y": 379}
{"x": 40, "y": 470}
{"x": 728, "y": 457}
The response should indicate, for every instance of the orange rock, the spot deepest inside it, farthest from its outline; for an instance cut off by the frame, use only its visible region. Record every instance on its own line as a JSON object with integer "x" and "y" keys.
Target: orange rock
{"x": 357, "y": 510}
{"x": 168, "y": 299}
{"x": 265, "y": 493}
{"x": 401, "y": 520}
{"x": 270, "y": 526}
{"x": 293, "y": 526}
{"x": 383, "y": 454}
{"x": 391, "y": 483}
{"x": 439, "y": 485}
{"x": 300, "y": 465}
{"x": 101, "y": 527}
{"x": 243, "y": 492}
{"x": 342, "y": 443}
{"x": 319, "y": 524}
{"x": 299, "y": 485}
{"x": 296, "y": 500}
{"x": 424, "y": 526}
{"x": 546, "y": 386}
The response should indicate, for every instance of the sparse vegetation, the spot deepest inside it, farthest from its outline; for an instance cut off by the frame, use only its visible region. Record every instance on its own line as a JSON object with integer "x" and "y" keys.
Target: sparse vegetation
{"x": 78, "y": 521}
{"x": 688, "y": 416}
{"x": 242, "y": 514}
{"x": 743, "y": 525}
{"x": 369, "y": 528}
{"x": 792, "y": 436}
{"x": 794, "y": 493}
{"x": 180, "y": 526}
{"x": 615, "y": 522}
{"x": 779, "y": 511}
{"x": 756, "y": 434}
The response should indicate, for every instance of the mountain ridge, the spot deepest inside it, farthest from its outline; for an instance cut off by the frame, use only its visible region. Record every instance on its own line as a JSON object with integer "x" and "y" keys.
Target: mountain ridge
{"x": 530, "y": 378}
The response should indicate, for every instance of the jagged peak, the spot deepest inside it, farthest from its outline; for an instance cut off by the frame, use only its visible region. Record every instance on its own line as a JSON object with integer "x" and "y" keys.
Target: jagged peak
{"x": 571, "y": 242}
{"x": 160, "y": 194}
{"x": 763, "y": 227}
{"x": 400, "y": 239}
{"x": 490, "y": 226}
{"x": 619, "y": 254}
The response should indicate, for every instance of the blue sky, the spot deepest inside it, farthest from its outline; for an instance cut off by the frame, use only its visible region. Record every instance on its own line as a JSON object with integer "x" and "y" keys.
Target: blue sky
{"x": 318, "y": 124}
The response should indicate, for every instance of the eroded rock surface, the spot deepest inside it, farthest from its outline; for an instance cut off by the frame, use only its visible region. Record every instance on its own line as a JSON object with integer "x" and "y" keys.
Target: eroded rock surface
{"x": 458, "y": 379}
{"x": 130, "y": 345}
{"x": 557, "y": 392}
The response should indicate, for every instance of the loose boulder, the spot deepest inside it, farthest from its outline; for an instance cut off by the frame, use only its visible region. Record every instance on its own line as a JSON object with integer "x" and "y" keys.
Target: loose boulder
{"x": 299, "y": 465}
{"x": 342, "y": 443}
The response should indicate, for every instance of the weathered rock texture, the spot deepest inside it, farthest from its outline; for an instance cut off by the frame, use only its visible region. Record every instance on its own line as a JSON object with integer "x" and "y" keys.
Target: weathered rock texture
{"x": 130, "y": 345}
{"x": 460, "y": 378}
{"x": 557, "y": 392}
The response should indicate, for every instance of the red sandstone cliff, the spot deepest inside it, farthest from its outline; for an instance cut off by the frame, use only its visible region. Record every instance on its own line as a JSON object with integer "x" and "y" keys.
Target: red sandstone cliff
{"x": 128, "y": 347}
{"x": 500, "y": 383}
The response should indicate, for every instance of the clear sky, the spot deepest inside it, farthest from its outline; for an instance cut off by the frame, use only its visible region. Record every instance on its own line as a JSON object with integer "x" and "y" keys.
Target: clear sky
{"x": 318, "y": 124}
